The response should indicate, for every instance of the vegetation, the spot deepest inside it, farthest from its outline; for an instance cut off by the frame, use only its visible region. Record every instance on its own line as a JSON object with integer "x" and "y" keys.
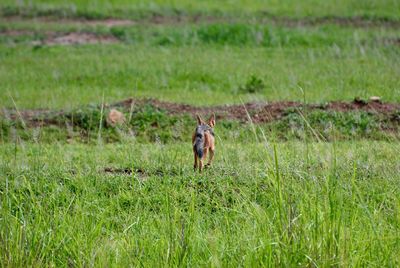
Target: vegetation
{"x": 314, "y": 204}
{"x": 311, "y": 186}
{"x": 53, "y": 77}
{"x": 150, "y": 124}
{"x": 381, "y": 9}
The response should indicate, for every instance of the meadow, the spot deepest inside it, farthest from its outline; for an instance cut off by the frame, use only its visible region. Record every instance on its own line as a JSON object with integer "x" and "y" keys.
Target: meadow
{"x": 312, "y": 182}
{"x": 384, "y": 9}
{"x": 288, "y": 204}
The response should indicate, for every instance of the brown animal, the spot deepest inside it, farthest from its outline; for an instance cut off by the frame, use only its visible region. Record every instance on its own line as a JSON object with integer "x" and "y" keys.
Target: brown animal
{"x": 203, "y": 142}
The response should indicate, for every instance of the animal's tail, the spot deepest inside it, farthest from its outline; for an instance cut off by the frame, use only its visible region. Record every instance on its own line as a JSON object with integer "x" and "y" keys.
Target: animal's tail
{"x": 198, "y": 144}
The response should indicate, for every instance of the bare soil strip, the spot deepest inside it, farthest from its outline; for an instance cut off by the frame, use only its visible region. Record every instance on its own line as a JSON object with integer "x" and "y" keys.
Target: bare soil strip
{"x": 110, "y": 22}
{"x": 356, "y": 21}
{"x": 80, "y": 38}
{"x": 76, "y": 38}
{"x": 260, "y": 112}
{"x": 58, "y": 38}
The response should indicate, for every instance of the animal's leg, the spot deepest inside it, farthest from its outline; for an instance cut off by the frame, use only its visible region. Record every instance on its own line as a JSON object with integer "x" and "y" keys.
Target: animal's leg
{"x": 211, "y": 157}
{"x": 201, "y": 165}
{"x": 195, "y": 160}
{"x": 204, "y": 157}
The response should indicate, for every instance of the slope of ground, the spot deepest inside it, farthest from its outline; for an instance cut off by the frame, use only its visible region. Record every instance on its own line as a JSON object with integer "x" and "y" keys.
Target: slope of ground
{"x": 258, "y": 112}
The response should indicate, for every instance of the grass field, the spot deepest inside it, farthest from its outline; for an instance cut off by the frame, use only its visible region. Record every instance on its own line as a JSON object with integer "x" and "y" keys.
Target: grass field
{"x": 311, "y": 183}
{"x": 314, "y": 205}
{"x": 205, "y": 76}
{"x": 210, "y": 71}
{"x": 386, "y": 9}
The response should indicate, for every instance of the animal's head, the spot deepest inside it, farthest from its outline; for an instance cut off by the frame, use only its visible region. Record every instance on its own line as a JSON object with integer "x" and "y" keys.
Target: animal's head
{"x": 210, "y": 122}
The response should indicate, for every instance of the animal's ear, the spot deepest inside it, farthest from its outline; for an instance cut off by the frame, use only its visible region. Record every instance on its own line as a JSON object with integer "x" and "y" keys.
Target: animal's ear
{"x": 199, "y": 120}
{"x": 211, "y": 121}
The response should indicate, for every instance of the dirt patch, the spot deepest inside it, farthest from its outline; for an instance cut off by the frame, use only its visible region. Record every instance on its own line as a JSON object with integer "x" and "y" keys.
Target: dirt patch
{"x": 16, "y": 33}
{"x": 262, "y": 17}
{"x": 140, "y": 172}
{"x": 111, "y": 22}
{"x": 391, "y": 41}
{"x": 57, "y": 38}
{"x": 123, "y": 171}
{"x": 357, "y": 22}
{"x": 103, "y": 23}
{"x": 77, "y": 38}
{"x": 32, "y": 118}
{"x": 262, "y": 112}
{"x": 259, "y": 112}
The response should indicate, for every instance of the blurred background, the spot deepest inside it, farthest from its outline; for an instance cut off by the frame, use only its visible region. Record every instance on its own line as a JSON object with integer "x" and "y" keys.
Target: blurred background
{"x": 62, "y": 54}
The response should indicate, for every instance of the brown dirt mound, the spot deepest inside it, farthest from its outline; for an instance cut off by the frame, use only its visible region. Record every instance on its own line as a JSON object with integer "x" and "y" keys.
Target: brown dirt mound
{"x": 259, "y": 112}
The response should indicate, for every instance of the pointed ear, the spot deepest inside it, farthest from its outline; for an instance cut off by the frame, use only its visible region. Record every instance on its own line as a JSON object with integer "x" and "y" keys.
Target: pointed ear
{"x": 199, "y": 120}
{"x": 211, "y": 120}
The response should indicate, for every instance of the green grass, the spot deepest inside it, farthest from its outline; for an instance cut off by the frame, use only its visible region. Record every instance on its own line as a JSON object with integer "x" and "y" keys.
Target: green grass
{"x": 217, "y": 33}
{"x": 201, "y": 64}
{"x": 54, "y": 77}
{"x": 275, "y": 195}
{"x": 317, "y": 205}
{"x": 386, "y": 9}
